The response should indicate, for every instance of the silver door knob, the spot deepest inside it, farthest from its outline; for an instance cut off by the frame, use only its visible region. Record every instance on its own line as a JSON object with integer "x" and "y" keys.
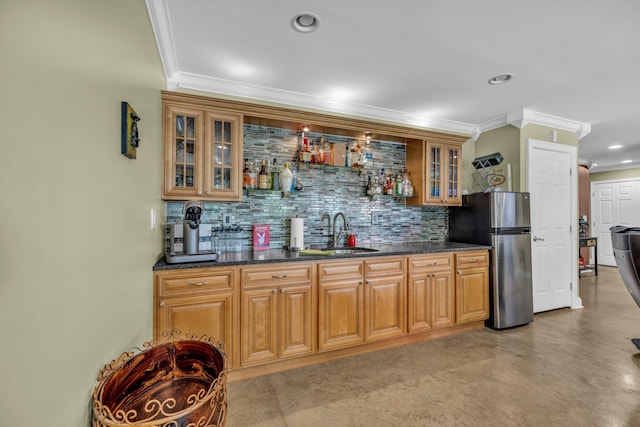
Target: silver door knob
{"x": 536, "y": 238}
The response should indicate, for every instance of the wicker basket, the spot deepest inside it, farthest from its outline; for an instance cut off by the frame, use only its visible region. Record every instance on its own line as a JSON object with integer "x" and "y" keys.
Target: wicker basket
{"x": 181, "y": 383}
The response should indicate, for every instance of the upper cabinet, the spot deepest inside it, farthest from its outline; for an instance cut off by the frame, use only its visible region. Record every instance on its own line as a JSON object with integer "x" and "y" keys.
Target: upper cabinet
{"x": 202, "y": 157}
{"x": 436, "y": 165}
{"x": 202, "y": 153}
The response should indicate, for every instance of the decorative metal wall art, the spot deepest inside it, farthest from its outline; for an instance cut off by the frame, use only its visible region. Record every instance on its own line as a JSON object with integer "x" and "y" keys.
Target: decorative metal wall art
{"x": 130, "y": 138}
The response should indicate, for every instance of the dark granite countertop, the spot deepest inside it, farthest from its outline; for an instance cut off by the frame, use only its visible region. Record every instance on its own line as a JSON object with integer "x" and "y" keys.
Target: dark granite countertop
{"x": 283, "y": 255}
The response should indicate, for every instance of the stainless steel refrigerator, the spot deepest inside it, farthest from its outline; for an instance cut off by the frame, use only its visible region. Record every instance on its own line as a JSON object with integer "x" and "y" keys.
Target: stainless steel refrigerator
{"x": 502, "y": 220}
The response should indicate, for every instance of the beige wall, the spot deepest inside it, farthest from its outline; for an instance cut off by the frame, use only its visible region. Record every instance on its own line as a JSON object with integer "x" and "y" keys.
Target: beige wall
{"x": 619, "y": 174}
{"x": 76, "y": 248}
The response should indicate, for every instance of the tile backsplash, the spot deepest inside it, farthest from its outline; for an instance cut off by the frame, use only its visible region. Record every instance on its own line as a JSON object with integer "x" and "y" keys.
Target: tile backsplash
{"x": 326, "y": 191}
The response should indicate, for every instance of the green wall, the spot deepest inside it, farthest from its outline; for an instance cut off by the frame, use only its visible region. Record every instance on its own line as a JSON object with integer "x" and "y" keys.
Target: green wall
{"x": 511, "y": 142}
{"x": 503, "y": 140}
{"x": 633, "y": 173}
{"x": 76, "y": 248}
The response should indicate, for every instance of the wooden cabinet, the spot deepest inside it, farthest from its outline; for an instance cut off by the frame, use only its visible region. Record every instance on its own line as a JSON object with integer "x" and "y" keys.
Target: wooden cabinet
{"x": 431, "y": 293}
{"x": 202, "y": 153}
{"x": 436, "y": 167}
{"x": 472, "y": 286}
{"x": 360, "y": 301}
{"x": 197, "y": 301}
{"x": 277, "y": 320}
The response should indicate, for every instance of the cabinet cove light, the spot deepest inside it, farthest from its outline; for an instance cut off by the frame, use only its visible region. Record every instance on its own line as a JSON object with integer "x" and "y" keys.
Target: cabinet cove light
{"x": 627, "y": 161}
{"x": 305, "y": 22}
{"x": 501, "y": 78}
{"x": 613, "y": 147}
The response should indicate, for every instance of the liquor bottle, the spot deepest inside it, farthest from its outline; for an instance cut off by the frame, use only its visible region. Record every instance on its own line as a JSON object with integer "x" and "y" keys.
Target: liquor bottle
{"x": 377, "y": 186}
{"x": 246, "y": 174}
{"x": 253, "y": 175}
{"x": 367, "y": 156}
{"x": 354, "y": 156}
{"x": 369, "y": 188}
{"x": 399, "y": 186}
{"x": 389, "y": 187}
{"x": 326, "y": 153}
{"x": 275, "y": 176}
{"x": 305, "y": 154}
{"x": 287, "y": 178}
{"x": 263, "y": 177}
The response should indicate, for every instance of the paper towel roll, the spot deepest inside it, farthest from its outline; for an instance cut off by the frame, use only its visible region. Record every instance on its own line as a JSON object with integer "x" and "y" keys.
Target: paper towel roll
{"x": 297, "y": 233}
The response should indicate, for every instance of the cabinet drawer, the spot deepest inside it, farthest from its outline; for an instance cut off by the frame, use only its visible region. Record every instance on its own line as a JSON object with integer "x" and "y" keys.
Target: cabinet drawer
{"x": 472, "y": 259}
{"x": 384, "y": 267}
{"x": 187, "y": 282}
{"x": 340, "y": 270}
{"x": 277, "y": 274}
{"x": 430, "y": 262}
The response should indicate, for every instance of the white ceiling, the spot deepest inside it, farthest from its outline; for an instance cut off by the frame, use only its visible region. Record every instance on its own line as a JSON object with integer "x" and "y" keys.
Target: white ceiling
{"x": 422, "y": 62}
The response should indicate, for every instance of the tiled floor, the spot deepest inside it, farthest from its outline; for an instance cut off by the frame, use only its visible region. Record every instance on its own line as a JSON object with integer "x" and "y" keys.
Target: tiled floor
{"x": 567, "y": 368}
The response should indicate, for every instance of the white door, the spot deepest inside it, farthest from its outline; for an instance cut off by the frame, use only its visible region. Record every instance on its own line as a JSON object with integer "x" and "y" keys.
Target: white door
{"x": 612, "y": 203}
{"x": 554, "y": 253}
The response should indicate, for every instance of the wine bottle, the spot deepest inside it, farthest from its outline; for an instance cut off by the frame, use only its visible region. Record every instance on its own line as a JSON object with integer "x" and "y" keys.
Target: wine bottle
{"x": 275, "y": 176}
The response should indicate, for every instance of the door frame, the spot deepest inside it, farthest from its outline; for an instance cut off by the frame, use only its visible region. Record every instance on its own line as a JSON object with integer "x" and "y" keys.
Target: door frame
{"x": 572, "y": 216}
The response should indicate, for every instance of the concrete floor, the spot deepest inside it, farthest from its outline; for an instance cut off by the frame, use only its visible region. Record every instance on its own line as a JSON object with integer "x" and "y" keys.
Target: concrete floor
{"x": 567, "y": 368}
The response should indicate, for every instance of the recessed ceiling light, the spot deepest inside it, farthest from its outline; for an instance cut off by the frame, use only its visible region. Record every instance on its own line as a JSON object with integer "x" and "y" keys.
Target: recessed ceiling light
{"x": 613, "y": 147}
{"x": 305, "y": 22}
{"x": 626, "y": 161}
{"x": 501, "y": 78}
{"x": 593, "y": 165}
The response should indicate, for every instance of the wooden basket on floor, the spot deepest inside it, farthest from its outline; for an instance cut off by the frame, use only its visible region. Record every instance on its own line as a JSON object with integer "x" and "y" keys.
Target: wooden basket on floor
{"x": 177, "y": 383}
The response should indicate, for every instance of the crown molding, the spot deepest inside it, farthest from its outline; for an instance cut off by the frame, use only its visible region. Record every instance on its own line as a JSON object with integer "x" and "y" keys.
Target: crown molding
{"x": 301, "y": 100}
{"x": 159, "y": 16}
{"x": 522, "y": 118}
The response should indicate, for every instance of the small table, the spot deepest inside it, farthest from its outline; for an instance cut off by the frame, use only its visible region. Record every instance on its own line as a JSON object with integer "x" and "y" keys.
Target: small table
{"x": 590, "y": 242}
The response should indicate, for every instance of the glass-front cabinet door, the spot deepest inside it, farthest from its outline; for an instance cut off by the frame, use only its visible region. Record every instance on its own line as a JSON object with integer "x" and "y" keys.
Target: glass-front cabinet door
{"x": 434, "y": 167}
{"x": 202, "y": 150}
{"x": 443, "y": 174}
{"x": 453, "y": 195}
{"x": 222, "y": 153}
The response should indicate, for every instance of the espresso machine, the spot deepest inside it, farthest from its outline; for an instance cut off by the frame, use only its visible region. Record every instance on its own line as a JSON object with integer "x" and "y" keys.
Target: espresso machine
{"x": 192, "y": 212}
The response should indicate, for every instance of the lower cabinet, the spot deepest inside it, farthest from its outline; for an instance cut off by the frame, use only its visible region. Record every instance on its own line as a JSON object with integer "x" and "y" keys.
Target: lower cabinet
{"x": 277, "y": 313}
{"x": 431, "y": 293}
{"x": 472, "y": 286}
{"x": 197, "y": 301}
{"x": 266, "y": 313}
{"x": 360, "y": 301}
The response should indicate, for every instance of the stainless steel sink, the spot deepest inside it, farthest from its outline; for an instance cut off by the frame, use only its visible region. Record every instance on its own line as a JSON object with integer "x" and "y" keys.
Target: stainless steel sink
{"x": 349, "y": 250}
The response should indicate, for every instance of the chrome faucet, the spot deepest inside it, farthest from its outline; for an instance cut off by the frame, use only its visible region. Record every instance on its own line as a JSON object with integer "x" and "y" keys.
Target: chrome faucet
{"x": 337, "y": 235}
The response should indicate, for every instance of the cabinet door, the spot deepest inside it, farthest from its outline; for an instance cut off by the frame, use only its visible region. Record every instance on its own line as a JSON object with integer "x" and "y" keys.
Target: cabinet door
{"x": 452, "y": 178}
{"x": 222, "y": 156}
{"x": 259, "y": 326}
{"x": 295, "y": 307}
{"x": 443, "y": 301}
{"x": 384, "y": 302}
{"x": 435, "y": 191}
{"x": 340, "y": 314}
{"x": 419, "y": 307}
{"x": 183, "y": 137}
{"x": 472, "y": 294}
{"x": 209, "y": 315}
